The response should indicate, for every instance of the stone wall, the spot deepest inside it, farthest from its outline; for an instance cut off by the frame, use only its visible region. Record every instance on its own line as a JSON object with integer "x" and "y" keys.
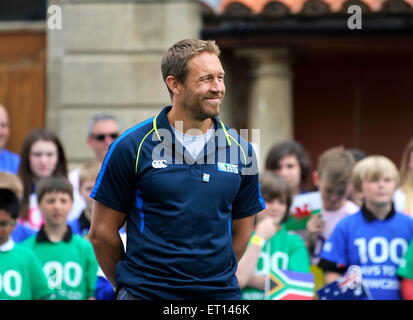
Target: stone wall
{"x": 107, "y": 59}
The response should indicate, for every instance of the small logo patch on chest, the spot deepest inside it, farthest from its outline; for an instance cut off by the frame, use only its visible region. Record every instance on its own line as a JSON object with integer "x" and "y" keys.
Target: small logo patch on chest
{"x": 159, "y": 164}
{"x": 227, "y": 167}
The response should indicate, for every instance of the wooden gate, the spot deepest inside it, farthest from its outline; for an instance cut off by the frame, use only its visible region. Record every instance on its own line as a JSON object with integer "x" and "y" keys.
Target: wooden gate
{"x": 359, "y": 100}
{"x": 22, "y": 82}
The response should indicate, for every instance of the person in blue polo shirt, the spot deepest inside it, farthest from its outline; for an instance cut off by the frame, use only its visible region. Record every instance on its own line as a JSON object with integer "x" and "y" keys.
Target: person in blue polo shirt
{"x": 9, "y": 161}
{"x": 187, "y": 187}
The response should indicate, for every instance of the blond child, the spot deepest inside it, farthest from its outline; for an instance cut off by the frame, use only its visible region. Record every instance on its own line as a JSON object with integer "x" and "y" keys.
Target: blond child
{"x": 87, "y": 177}
{"x": 377, "y": 237}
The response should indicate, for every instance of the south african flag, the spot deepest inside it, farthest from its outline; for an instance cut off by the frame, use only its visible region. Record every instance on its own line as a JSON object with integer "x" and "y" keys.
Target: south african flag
{"x": 290, "y": 285}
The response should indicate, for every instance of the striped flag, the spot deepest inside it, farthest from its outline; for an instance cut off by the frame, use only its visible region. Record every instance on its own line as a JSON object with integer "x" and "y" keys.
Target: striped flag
{"x": 290, "y": 285}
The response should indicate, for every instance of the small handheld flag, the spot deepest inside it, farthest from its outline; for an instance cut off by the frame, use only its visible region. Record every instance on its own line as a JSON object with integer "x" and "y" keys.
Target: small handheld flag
{"x": 348, "y": 287}
{"x": 299, "y": 218}
{"x": 290, "y": 285}
{"x": 303, "y": 207}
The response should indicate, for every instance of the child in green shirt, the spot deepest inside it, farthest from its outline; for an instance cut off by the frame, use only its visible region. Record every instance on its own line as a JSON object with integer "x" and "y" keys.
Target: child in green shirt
{"x": 21, "y": 276}
{"x": 405, "y": 271}
{"x": 271, "y": 246}
{"x": 68, "y": 260}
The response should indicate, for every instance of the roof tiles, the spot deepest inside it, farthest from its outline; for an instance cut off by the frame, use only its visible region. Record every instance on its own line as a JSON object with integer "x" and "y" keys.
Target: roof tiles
{"x": 299, "y": 6}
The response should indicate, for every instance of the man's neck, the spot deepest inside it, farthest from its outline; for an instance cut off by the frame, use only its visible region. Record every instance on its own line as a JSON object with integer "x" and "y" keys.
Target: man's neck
{"x": 178, "y": 114}
{"x": 379, "y": 211}
{"x": 88, "y": 214}
{"x": 55, "y": 233}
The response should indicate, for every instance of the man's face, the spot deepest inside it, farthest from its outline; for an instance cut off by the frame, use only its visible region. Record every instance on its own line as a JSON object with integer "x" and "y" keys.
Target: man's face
{"x": 379, "y": 191}
{"x": 4, "y": 127}
{"x": 7, "y": 225}
{"x": 103, "y": 134}
{"x": 204, "y": 87}
{"x": 55, "y": 207}
{"x": 334, "y": 196}
{"x": 85, "y": 191}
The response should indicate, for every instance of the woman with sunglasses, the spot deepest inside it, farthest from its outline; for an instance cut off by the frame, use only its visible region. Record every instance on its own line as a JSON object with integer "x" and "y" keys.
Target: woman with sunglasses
{"x": 42, "y": 156}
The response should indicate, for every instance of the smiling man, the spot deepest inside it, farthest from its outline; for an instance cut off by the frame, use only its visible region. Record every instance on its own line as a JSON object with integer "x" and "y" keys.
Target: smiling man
{"x": 189, "y": 208}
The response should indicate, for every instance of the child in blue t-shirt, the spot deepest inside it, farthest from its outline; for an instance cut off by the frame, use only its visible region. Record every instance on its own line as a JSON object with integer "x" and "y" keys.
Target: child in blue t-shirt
{"x": 376, "y": 238}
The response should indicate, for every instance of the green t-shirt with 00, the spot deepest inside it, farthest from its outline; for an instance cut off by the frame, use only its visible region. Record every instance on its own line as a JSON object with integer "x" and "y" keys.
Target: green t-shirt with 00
{"x": 21, "y": 275}
{"x": 70, "y": 267}
{"x": 285, "y": 251}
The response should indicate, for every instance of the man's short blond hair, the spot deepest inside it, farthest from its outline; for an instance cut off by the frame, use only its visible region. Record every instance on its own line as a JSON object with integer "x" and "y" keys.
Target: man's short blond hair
{"x": 371, "y": 168}
{"x": 12, "y": 182}
{"x": 176, "y": 58}
{"x": 89, "y": 171}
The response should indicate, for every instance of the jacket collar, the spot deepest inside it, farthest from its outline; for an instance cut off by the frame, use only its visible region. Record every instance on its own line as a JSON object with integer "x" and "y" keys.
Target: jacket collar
{"x": 161, "y": 121}
{"x": 7, "y": 246}
{"x": 84, "y": 221}
{"x": 43, "y": 237}
{"x": 370, "y": 217}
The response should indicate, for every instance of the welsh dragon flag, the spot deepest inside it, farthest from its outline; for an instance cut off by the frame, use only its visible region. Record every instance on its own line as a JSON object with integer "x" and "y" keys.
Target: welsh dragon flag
{"x": 298, "y": 220}
{"x": 303, "y": 207}
{"x": 289, "y": 285}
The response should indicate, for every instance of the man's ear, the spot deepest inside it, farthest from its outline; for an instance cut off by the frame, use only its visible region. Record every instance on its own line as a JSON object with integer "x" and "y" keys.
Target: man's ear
{"x": 89, "y": 140}
{"x": 316, "y": 178}
{"x": 173, "y": 85}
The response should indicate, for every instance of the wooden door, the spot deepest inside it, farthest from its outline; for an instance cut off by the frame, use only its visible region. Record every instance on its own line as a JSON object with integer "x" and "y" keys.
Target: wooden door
{"x": 22, "y": 82}
{"x": 358, "y": 100}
